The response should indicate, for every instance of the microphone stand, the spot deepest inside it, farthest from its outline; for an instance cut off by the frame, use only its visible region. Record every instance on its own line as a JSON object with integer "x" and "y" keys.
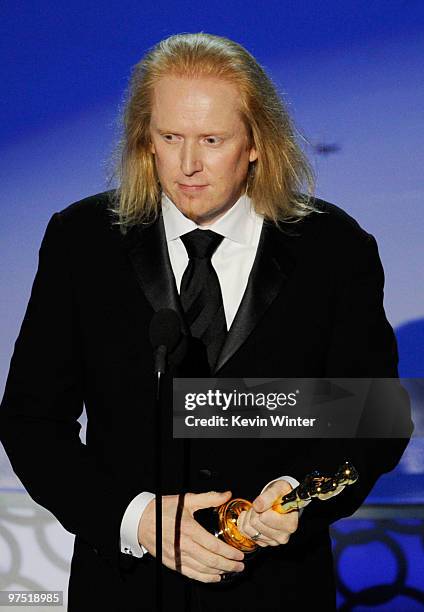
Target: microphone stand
{"x": 165, "y": 335}
{"x": 159, "y": 370}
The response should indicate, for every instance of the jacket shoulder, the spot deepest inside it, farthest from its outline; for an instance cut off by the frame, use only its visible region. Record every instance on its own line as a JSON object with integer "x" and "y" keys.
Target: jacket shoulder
{"x": 328, "y": 236}
{"x": 334, "y": 223}
{"x": 90, "y": 211}
{"x": 329, "y": 228}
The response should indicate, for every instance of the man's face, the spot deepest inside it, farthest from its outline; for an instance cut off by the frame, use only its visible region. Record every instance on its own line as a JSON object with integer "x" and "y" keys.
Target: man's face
{"x": 200, "y": 144}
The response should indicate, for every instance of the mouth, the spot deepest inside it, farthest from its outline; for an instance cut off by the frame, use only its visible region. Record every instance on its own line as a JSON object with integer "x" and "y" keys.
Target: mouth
{"x": 191, "y": 188}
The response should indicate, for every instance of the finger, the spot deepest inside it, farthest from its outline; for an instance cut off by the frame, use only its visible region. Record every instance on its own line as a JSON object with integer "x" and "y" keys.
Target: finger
{"x": 248, "y": 530}
{"x": 200, "y": 576}
{"x": 211, "y": 499}
{"x": 241, "y": 522}
{"x": 210, "y": 565}
{"x": 280, "y": 522}
{"x": 216, "y": 565}
{"x": 200, "y": 567}
{"x": 252, "y": 525}
{"x": 266, "y": 499}
{"x": 214, "y": 544}
{"x": 275, "y": 536}
{"x": 203, "y": 558}
{"x": 272, "y": 535}
{"x": 288, "y": 521}
{"x": 244, "y": 529}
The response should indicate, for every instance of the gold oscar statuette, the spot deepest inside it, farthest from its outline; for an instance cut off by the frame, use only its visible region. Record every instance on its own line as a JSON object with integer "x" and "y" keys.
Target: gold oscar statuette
{"x": 222, "y": 521}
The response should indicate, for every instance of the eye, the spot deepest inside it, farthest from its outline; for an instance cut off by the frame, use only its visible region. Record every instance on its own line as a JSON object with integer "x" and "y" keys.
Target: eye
{"x": 212, "y": 139}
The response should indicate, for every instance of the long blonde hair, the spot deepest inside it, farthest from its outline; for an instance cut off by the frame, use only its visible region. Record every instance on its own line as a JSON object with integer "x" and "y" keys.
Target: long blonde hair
{"x": 274, "y": 181}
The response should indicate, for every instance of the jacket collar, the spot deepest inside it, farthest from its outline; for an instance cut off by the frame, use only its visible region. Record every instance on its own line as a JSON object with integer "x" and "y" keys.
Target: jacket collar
{"x": 147, "y": 249}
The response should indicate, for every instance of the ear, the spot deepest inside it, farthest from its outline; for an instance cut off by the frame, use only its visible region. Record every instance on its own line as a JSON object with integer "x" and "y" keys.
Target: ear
{"x": 253, "y": 154}
{"x": 152, "y": 148}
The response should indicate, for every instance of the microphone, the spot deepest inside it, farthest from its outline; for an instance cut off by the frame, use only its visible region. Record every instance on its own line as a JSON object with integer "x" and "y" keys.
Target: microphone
{"x": 165, "y": 335}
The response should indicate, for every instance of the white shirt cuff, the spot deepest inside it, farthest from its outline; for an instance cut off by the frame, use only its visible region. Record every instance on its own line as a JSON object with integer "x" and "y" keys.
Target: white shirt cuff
{"x": 129, "y": 525}
{"x": 293, "y": 483}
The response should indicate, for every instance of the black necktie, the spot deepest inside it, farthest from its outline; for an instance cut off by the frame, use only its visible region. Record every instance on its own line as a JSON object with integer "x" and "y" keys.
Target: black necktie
{"x": 200, "y": 292}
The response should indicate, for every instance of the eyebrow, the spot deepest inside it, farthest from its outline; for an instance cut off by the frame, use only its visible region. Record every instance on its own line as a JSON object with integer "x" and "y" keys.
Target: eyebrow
{"x": 211, "y": 133}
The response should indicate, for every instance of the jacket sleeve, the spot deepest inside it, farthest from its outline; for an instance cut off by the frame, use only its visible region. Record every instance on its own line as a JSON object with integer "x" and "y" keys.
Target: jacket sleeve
{"x": 362, "y": 345}
{"x": 43, "y": 399}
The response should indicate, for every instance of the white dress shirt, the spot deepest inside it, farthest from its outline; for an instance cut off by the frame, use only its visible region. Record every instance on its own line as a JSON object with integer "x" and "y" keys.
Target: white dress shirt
{"x": 241, "y": 227}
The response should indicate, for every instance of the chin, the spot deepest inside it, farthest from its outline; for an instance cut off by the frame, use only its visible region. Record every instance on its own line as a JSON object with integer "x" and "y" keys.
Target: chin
{"x": 191, "y": 211}
{"x": 194, "y": 215}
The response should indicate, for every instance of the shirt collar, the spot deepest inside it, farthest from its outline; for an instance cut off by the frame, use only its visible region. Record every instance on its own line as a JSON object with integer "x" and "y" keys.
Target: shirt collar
{"x": 237, "y": 224}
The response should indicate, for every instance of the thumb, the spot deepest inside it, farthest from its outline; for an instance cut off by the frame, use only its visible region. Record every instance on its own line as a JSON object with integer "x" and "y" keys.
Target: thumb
{"x": 270, "y": 495}
{"x": 265, "y": 500}
{"x": 259, "y": 504}
{"x": 211, "y": 499}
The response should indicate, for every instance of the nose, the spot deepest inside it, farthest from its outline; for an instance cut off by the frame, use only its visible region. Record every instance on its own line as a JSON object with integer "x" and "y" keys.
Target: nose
{"x": 191, "y": 161}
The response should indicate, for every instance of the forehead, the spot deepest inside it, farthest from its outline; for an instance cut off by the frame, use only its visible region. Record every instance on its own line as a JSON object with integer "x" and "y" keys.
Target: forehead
{"x": 195, "y": 101}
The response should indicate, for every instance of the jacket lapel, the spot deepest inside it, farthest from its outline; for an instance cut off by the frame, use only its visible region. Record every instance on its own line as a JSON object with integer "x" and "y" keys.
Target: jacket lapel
{"x": 148, "y": 252}
{"x": 271, "y": 269}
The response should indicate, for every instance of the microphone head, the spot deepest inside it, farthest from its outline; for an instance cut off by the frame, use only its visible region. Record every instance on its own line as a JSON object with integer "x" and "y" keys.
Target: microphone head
{"x": 165, "y": 329}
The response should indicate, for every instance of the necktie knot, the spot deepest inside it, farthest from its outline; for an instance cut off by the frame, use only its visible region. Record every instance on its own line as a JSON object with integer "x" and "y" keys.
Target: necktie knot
{"x": 200, "y": 293}
{"x": 201, "y": 244}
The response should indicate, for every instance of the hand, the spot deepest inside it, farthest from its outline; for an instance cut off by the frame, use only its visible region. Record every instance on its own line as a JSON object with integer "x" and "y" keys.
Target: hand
{"x": 275, "y": 528}
{"x": 200, "y": 555}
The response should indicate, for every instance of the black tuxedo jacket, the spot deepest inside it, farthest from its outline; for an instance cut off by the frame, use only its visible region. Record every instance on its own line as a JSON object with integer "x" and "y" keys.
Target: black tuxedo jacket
{"x": 313, "y": 307}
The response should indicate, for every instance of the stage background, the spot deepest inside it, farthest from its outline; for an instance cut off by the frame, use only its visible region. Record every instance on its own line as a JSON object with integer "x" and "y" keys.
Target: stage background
{"x": 351, "y": 74}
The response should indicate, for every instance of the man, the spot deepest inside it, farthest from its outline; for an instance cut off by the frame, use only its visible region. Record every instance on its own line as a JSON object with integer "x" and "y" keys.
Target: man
{"x": 208, "y": 204}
